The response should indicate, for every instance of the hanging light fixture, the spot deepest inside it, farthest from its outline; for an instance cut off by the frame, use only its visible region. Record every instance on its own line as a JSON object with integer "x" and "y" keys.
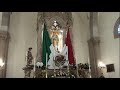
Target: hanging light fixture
{"x": 101, "y": 64}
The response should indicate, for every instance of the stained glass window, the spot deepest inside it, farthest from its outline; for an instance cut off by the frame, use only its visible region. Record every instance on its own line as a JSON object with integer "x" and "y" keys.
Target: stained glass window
{"x": 117, "y": 28}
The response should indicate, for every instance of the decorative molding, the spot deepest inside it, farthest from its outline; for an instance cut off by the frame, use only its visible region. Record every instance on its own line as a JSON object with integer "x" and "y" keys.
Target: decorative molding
{"x": 95, "y": 40}
{"x": 60, "y": 17}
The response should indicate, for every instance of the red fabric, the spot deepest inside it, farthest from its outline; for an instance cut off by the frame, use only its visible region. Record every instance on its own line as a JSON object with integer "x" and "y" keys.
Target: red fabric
{"x": 70, "y": 49}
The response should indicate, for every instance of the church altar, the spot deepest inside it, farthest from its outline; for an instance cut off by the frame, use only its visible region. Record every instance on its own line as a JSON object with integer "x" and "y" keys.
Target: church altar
{"x": 55, "y": 54}
{"x": 71, "y": 72}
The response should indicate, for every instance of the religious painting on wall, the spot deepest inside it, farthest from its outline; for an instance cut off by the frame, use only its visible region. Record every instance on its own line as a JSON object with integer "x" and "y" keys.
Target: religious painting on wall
{"x": 110, "y": 68}
{"x": 57, "y": 40}
{"x": 56, "y": 35}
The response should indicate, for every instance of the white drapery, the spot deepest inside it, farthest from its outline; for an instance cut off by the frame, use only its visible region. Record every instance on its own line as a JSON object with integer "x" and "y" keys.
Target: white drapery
{"x": 54, "y": 53}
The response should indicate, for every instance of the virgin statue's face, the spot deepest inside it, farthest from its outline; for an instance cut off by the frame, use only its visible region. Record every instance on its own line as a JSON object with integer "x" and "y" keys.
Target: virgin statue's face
{"x": 54, "y": 33}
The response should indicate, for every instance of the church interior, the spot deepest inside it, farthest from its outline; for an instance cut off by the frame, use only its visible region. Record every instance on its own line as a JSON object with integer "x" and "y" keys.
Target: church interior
{"x": 59, "y": 45}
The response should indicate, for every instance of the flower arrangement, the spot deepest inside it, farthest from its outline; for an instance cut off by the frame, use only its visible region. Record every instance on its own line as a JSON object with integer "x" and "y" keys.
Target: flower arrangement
{"x": 83, "y": 70}
{"x": 83, "y": 66}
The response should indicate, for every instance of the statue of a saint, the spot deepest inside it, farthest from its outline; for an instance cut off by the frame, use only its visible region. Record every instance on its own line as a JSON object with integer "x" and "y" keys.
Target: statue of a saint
{"x": 29, "y": 57}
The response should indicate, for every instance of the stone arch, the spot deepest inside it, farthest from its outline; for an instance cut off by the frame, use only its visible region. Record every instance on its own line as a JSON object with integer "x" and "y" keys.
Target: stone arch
{"x": 59, "y": 20}
{"x": 116, "y": 26}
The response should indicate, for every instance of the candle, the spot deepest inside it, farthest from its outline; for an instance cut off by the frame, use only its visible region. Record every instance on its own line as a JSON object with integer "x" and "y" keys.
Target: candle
{"x": 54, "y": 64}
{"x": 67, "y": 53}
{"x": 46, "y": 65}
{"x": 46, "y": 59}
{"x": 26, "y": 53}
{"x": 77, "y": 70}
{"x": 34, "y": 67}
{"x": 89, "y": 64}
{"x": 26, "y": 58}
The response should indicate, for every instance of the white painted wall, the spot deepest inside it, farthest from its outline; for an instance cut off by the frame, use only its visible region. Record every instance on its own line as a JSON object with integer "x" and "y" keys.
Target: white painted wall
{"x": 109, "y": 45}
{"x": 80, "y": 36}
{"x": 0, "y": 19}
{"x": 3, "y": 28}
{"x": 23, "y": 35}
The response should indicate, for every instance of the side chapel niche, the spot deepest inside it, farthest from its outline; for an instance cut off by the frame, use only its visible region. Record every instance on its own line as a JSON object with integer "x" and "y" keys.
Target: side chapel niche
{"x": 57, "y": 25}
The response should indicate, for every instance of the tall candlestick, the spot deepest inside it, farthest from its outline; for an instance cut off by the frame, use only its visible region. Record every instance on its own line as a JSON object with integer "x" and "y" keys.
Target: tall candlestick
{"x": 77, "y": 68}
{"x": 68, "y": 70}
{"x": 89, "y": 67}
{"x": 77, "y": 71}
{"x": 34, "y": 68}
{"x": 26, "y": 58}
{"x": 54, "y": 69}
{"x": 89, "y": 64}
{"x": 46, "y": 64}
{"x": 34, "y": 64}
{"x": 67, "y": 53}
{"x": 54, "y": 64}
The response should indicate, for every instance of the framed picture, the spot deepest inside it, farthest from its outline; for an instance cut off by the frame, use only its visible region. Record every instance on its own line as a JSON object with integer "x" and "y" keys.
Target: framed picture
{"x": 110, "y": 68}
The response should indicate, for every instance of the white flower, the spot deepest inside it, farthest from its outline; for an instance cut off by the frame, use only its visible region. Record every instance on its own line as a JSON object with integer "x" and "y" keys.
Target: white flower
{"x": 39, "y": 64}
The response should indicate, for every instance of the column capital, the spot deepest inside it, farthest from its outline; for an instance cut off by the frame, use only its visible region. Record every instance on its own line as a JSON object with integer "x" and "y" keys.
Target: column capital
{"x": 4, "y": 35}
{"x": 95, "y": 40}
